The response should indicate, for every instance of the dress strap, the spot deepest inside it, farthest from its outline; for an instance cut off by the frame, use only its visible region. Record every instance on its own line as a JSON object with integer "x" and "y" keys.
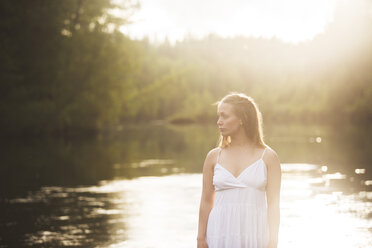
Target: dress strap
{"x": 218, "y": 156}
{"x": 263, "y": 153}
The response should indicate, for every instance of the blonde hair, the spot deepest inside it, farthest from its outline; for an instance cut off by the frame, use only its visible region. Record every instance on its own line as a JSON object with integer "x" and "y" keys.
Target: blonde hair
{"x": 245, "y": 108}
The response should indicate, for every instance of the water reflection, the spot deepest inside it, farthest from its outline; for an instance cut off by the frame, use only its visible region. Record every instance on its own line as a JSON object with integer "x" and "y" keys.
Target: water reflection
{"x": 316, "y": 214}
{"x": 163, "y": 211}
{"x": 141, "y": 188}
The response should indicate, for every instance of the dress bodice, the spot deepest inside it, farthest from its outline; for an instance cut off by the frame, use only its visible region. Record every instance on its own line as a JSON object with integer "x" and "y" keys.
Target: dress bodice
{"x": 253, "y": 176}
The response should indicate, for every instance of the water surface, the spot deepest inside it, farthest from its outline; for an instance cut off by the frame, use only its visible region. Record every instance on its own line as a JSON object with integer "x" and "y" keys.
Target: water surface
{"x": 141, "y": 187}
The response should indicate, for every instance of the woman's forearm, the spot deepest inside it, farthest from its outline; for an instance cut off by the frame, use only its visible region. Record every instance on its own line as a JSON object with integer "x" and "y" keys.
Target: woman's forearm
{"x": 274, "y": 222}
{"x": 205, "y": 209}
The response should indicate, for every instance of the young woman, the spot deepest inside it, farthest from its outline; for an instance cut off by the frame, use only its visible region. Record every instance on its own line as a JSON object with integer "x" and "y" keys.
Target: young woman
{"x": 240, "y": 199}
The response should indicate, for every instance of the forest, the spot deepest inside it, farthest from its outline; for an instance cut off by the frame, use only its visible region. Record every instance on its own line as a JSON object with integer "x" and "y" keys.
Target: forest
{"x": 66, "y": 69}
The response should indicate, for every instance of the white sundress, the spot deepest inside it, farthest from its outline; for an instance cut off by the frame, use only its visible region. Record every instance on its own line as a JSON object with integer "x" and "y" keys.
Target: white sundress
{"x": 239, "y": 217}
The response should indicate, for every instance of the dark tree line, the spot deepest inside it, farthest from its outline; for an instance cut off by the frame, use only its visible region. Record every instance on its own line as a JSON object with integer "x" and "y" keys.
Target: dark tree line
{"x": 64, "y": 66}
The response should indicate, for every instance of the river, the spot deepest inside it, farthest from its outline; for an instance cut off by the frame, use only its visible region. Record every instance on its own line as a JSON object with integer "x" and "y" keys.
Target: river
{"x": 140, "y": 186}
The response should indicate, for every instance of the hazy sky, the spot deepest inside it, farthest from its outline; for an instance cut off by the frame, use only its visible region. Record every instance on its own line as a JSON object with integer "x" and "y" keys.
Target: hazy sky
{"x": 289, "y": 20}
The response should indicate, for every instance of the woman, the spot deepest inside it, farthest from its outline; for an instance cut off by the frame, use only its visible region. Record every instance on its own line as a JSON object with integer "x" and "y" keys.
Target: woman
{"x": 240, "y": 199}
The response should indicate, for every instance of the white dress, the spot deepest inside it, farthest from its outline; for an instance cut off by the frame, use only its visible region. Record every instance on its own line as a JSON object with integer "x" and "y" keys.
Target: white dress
{"x": 239, "y": 217}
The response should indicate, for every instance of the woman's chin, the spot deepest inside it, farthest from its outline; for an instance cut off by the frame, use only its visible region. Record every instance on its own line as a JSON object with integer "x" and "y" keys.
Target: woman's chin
{"x": 224, "y": 133}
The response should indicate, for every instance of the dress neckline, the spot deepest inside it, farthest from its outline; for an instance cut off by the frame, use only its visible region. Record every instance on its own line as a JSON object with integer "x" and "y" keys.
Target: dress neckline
{"x": 237, "y": 177}
{"x": 241, "y": 173}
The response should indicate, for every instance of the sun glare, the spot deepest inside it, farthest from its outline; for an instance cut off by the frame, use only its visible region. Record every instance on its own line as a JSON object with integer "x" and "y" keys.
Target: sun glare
{"x": 289, "y": 20}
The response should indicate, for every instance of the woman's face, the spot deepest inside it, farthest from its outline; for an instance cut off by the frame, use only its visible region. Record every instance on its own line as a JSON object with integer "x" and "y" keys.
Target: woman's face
{"x": 227, "y": 122}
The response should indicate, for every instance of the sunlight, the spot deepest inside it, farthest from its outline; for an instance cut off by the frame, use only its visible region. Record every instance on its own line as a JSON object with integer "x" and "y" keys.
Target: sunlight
{"x": 317, "y": 220}
{"x": 158, "y": 208}
{"x": 289, "y": 20}
{"x": 319, "y": 224}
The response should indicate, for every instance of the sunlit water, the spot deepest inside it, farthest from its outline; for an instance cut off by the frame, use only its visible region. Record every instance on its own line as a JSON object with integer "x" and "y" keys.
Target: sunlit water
{"x": 140, "y": 187}
{"x": 163, "y": 211}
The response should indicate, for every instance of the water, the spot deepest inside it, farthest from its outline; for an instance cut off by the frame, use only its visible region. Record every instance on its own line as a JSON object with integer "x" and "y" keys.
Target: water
{"x": 141, "y": 187}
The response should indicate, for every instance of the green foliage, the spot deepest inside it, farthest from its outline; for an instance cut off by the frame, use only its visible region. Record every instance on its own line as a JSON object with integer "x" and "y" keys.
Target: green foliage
{"x": 67, "y": 69}
{"x": 67, "y": 66}
{"x": 324, "y": 80}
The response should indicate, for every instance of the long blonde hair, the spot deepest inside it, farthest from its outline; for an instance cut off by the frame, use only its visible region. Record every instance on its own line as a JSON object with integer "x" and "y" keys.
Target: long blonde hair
{"x": 246, "y": 109}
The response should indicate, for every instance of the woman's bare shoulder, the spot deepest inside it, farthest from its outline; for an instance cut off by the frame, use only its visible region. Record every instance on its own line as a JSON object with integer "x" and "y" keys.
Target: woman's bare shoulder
{"x": 271, "y": 157}
{"x": 211, "y": 157}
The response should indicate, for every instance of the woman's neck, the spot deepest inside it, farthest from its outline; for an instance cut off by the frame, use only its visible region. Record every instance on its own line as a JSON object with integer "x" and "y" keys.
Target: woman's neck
{"x": 240, "y": 139}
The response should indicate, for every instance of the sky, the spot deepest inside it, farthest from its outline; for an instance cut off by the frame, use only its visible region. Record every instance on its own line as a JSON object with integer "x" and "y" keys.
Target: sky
{"x": 289, "y": 20}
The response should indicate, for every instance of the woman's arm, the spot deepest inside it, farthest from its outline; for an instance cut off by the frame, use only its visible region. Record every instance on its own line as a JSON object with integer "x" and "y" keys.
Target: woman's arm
{"x": 207, "y": 196}
{"x": 274, "y": 175}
